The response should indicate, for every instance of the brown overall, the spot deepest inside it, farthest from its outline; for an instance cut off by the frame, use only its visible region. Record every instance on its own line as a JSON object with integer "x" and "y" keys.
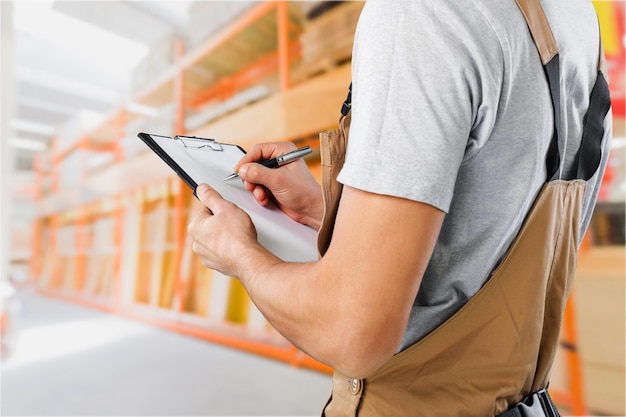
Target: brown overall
{"x": 500, "y": 346}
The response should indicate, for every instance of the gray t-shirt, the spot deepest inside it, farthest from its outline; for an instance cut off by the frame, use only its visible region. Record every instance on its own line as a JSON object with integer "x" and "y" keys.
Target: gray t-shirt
{"x": 451, "y": 108}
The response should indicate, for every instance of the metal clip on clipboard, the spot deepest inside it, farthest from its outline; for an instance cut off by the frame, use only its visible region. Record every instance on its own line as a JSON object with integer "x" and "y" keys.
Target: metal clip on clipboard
{"x": 193, "y": 142}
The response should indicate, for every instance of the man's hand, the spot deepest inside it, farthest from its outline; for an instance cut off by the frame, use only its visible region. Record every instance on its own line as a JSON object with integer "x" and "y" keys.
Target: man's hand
{"x": 220, "y": 232}
{"x": 292, "y": 187}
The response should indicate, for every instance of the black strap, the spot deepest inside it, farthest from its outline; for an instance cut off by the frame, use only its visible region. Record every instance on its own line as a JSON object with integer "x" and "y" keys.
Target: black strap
{"x": 590, "y": 151}
{"x": 589, "y": 154}
{"x": 553, "y": 159}
{"x": 347, "y": 105}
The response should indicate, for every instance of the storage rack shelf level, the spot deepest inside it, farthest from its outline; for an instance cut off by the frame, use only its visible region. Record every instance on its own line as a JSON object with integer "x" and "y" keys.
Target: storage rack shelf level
{"x": 137, "y": 189}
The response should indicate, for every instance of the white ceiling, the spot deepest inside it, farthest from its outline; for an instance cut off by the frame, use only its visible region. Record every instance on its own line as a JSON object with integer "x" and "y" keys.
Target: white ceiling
{"x": 74, "y": 57}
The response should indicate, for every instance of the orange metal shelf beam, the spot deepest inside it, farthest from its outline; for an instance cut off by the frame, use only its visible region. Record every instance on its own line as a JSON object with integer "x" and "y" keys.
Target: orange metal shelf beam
{"x": 209, "y": 46}
{"x": 259, "y": 69}
{"x": 282, "y": 15}
{"x": 85, "y": 143}
{"x": 220, "y": 39}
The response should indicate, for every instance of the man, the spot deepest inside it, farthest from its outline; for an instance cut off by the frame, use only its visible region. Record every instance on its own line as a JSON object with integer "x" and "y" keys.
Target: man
{"x": 452, "y": 120}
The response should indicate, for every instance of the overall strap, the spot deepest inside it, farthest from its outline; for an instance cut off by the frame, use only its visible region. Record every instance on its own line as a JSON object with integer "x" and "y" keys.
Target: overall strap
{"x": 549, "y": 53}
{"x": 539, "y": 29}
{"x": 589, "y": 153}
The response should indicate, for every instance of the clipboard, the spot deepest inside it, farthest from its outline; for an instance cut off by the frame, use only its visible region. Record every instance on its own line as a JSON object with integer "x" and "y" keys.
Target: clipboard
{"x": 202, "y": 160}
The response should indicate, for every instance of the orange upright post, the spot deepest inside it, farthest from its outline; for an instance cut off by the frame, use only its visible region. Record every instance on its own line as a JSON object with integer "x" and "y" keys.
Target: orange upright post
{"x": 577, "y": 396}
{"x": 574, "y": 397}
{"x": 55, "y": 271}
{"x": 179, "y": 238}
{"x": 179, "y": 206}
{"x": 119, "y": 214}
{"x": 35, "y": 259}
{"x": 81, "y": 249}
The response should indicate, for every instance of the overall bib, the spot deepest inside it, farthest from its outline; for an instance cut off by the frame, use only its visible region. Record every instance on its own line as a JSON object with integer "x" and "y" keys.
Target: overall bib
{"x": 499, "y": 347}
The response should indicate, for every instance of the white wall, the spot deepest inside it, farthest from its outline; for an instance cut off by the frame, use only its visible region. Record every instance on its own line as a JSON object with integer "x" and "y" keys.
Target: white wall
{"x": 6, "y": 151}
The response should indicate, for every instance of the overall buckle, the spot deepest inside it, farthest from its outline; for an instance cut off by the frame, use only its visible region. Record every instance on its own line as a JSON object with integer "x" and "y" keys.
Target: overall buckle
{"x": 537, "y": 404}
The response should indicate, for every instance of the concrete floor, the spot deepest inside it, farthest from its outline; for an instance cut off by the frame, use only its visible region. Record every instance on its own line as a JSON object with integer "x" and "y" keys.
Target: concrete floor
{"x": 72, "y": 361}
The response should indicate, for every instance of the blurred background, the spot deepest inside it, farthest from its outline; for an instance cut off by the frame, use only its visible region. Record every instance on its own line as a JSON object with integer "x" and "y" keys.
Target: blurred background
{"x": 104, "y": 309}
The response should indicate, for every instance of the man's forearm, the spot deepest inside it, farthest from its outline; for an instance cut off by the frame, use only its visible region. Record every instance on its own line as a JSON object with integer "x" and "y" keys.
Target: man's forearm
{"x": 316, "y": 307}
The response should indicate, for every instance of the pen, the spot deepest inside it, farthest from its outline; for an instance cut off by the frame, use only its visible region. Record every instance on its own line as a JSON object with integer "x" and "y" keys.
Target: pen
{"x": 279, "y": 160}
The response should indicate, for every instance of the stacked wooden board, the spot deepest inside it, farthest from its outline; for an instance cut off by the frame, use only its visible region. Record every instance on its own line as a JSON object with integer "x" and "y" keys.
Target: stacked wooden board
{"x": 327, "y": 39}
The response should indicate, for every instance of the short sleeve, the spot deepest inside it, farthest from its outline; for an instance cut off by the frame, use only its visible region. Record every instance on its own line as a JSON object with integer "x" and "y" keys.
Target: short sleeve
{"x": 426, "y": 82}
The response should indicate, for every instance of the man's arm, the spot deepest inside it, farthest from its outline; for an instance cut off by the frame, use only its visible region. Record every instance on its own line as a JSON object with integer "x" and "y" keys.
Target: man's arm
{"x": 349, "y": 309}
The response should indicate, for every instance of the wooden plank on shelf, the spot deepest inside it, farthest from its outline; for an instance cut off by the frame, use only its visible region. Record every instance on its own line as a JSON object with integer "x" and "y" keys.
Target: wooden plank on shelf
{"x": 145, "y": 168}
{"x": 604, "y": 390}
{"x": 106, "y": 275}
{"x": 91, "y": 274}
{"x": 187, "y": 278}
{"x": 157, "y": 248}
{"x": 160, "y": 92}
{"x": 142, "y": 283}
{"x": 68, "y": 272}
{"x": 168, "y": 280}
{"x": 256, "y": 319}
{"x": 307, "y": 108}
{"x": 238, "y": 303}
{"x": 218, "y": 297}
{"x": 187, "y": 273}
{"x": 97, "y": 247}
{"x": 198, "y": 77}
{"x": 130, "y": 245}
{"x": 203, "y": 281}
{"x": 327, "y": 40}
{"x": 49, "y": 258}
{"x": 152, "y": 243}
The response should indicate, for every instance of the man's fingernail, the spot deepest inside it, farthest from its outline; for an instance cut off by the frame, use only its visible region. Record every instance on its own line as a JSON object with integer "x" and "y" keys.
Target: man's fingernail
{"x": 243, "y": 171}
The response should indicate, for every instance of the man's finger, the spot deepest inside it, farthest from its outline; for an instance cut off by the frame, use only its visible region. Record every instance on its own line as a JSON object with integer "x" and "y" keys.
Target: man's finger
{"x": 210, "y": 198}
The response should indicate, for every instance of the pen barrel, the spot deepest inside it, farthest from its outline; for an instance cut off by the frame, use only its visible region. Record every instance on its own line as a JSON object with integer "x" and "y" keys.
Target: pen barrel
{"x": 272, "y": 163}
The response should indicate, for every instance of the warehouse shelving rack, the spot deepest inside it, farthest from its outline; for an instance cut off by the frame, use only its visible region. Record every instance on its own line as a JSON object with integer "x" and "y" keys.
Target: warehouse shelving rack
{"x": 73, "y": 219}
